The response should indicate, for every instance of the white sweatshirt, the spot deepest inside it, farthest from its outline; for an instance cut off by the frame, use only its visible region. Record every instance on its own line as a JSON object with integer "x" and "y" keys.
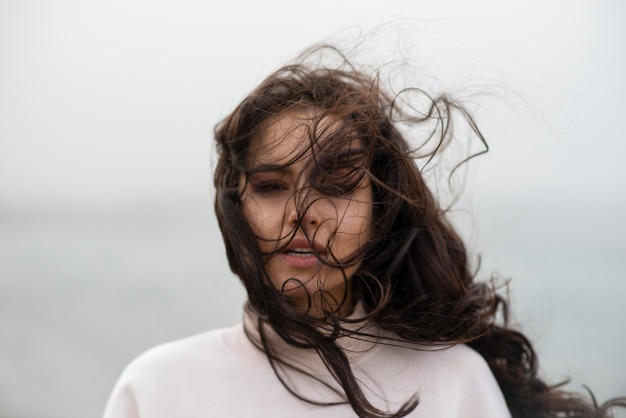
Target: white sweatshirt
{"x": 221, "y": 373}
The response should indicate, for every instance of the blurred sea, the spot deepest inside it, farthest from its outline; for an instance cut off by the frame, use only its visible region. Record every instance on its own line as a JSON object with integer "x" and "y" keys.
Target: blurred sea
{"x": 83, "y": 290}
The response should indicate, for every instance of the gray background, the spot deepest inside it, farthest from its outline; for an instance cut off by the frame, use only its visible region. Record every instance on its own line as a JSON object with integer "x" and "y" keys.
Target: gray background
{"x": 108, "y": 242}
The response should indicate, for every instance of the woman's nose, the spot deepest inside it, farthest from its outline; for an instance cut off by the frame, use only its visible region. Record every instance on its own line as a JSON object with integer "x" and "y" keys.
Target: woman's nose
{"x": 304, "y": 210}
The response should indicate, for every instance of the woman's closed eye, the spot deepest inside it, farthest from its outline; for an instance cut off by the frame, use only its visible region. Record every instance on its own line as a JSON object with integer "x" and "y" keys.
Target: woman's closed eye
{"x": 268, "y": 187}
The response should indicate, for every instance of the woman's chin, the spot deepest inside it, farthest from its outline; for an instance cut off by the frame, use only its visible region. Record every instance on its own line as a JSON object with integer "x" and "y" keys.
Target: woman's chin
{"x": 311, "y": 301}
{"x": 298, "y": 293}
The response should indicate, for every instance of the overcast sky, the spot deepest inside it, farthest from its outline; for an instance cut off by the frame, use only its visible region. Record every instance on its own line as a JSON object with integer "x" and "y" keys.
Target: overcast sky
{"x": 103, "y": 101}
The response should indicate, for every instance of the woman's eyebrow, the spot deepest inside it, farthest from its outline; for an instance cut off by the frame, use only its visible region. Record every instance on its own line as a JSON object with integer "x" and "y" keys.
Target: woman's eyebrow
{"x": 267, "y": 167}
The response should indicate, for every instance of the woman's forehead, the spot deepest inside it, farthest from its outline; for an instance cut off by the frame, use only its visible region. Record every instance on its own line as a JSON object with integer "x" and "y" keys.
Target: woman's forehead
{"x": 294, "y": 135}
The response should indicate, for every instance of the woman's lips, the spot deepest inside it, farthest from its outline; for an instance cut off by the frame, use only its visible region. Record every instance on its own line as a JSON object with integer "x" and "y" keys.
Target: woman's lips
{"x": 302, "y": 253}
{"x": 299, "y": 260}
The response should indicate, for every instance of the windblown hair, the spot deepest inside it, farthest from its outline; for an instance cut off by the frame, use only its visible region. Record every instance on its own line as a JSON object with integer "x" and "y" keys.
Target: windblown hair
{"x": 414, "y": 278}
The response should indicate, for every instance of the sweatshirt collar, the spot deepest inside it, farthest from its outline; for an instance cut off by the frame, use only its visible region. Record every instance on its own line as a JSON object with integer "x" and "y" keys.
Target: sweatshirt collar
{"x": 358, "y": 340}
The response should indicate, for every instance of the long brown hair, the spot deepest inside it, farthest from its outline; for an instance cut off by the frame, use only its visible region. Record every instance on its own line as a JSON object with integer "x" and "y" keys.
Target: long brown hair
{"x": 414, "y": 279}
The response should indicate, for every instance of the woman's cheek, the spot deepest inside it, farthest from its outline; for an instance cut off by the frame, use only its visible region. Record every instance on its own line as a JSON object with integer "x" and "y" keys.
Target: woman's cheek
{"x": 354, "y": 233}
{"x": 355, "y": 224}
{"x": 262, "y": 217}
{"x": 250, "y": 209}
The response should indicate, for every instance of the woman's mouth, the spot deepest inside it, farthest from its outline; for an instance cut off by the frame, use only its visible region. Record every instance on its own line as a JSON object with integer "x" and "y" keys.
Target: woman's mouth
{"x": 302, "y": 254}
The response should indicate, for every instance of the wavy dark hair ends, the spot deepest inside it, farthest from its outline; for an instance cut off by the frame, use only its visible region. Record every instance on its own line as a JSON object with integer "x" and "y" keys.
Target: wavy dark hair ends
{"x": 414, "y": 279}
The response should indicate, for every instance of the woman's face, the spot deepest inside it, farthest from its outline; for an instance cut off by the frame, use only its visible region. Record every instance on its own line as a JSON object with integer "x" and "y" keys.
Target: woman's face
{"x": 298, "y": 227}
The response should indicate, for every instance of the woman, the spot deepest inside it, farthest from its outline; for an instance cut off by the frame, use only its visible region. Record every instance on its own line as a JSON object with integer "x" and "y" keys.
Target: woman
{"x": 361, "y": 300}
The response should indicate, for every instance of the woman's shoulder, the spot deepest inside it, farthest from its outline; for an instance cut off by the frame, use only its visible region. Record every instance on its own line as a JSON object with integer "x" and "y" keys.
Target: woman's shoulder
{"x": 458, "y": 362}
{"x": 200, "y": 352}
{"x": 460, "y": 357}
{"x": 467, "y": 377}
{"x": 450, "y": 380}
{"x": 190, "y": 370}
